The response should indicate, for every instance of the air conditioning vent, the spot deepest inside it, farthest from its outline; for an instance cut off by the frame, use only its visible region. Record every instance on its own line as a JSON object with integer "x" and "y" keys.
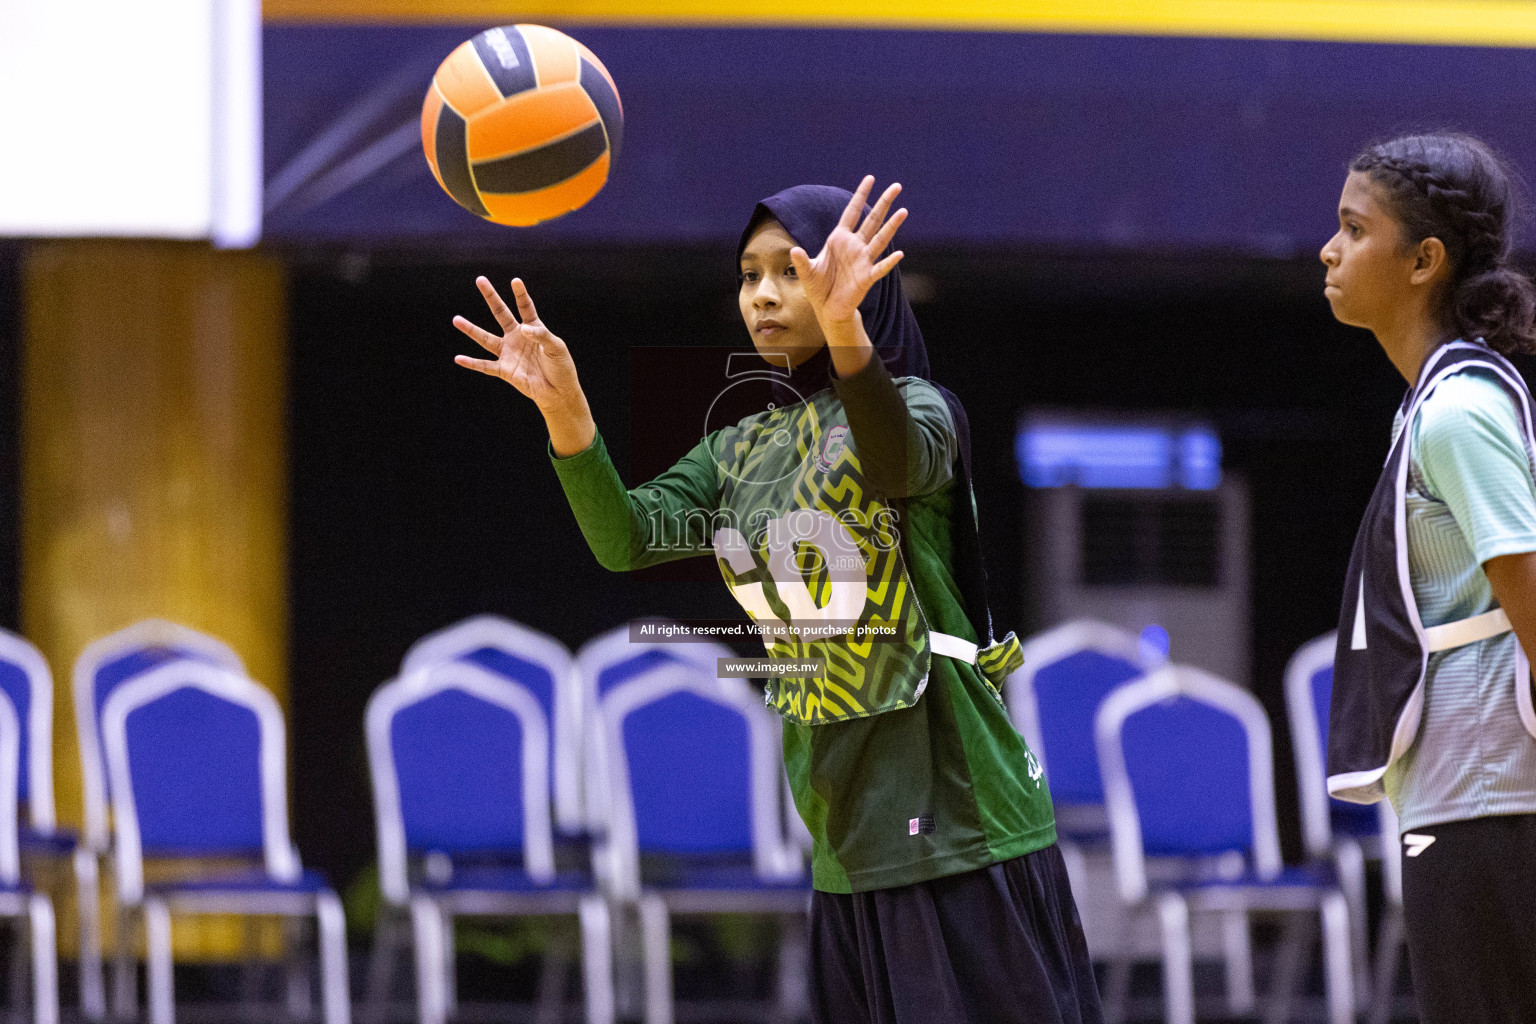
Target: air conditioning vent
{"x": 1140, "y": 541}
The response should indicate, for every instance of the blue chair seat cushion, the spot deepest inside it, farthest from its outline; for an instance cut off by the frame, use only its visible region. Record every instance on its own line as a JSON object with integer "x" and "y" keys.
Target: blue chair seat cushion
{"x": 1085, "y": 838}
{"x": 1311, "y": 876}
{"x": 59, "y": 842}
{"x": 1084, "y": 824}
{"x": 1357, "y": 820}
{"x": 505, "y": 878}
{"x": 718, "y": 877}
{"x": 250, "y": 881}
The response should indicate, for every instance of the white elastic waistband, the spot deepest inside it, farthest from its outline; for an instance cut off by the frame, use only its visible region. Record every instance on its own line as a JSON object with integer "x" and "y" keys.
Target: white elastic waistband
{"x": 1466, "y": 631}
{"x": 952, "y": 647}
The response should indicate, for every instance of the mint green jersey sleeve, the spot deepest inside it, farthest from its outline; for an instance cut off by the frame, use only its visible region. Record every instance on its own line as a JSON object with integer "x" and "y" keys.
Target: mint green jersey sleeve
{"x": 631, "y": 528}
{"x": 1473, "y": 458}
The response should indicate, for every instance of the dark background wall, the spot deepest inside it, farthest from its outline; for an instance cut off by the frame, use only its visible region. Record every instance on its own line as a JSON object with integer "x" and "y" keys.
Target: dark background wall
{"x": 422, "y": 492}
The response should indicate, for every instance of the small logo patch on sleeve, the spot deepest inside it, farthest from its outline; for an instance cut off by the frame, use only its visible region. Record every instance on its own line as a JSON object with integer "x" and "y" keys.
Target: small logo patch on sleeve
{"x": 919, "y": 825}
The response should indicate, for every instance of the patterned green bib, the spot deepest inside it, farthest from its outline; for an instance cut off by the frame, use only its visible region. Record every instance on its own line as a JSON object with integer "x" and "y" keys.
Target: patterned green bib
{"x": 815, "y": 557}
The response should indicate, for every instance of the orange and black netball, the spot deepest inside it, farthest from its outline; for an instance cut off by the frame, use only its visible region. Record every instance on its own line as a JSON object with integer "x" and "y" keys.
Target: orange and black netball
{"x": 521, "y": 124}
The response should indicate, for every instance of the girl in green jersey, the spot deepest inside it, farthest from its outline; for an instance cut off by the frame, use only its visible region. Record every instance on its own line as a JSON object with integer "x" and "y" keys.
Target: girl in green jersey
{"x": 939, "y": 892}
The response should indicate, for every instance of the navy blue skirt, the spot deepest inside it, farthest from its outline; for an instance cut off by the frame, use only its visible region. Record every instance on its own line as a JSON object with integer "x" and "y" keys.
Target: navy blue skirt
{"x": 999, "y": 945}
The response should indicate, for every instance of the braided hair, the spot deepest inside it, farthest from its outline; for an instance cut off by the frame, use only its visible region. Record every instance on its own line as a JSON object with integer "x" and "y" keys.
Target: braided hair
{"x": 1454, "y": 188}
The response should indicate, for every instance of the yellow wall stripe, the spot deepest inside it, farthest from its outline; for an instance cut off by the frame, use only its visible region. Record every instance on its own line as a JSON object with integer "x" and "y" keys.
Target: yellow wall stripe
{"x": 1443, "y": 22}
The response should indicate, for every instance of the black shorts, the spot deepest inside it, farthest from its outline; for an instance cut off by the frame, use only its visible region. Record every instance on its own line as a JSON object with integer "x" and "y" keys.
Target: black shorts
{"x": 999, "y": 945}
{"x": 1469, "y": 907}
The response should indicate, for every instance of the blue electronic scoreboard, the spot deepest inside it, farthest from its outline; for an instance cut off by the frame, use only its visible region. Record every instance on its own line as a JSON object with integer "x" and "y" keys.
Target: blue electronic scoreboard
{"x": 1061, "y": 452}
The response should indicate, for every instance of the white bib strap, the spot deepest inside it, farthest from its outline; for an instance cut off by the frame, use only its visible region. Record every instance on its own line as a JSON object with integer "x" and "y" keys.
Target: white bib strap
{"x": 952, "y": 647}
{"x": 1466, "y": 631}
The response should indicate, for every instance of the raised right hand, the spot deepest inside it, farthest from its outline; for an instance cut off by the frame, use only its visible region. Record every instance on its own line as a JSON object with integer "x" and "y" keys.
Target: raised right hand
{"x": 528, "y": 355}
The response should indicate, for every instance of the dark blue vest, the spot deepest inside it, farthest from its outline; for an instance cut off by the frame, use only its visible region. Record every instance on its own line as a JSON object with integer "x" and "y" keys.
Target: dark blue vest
{"x": 1383, "y": 647}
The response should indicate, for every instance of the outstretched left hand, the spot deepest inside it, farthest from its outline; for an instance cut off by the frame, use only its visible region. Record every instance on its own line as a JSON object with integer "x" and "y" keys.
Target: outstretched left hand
{"x": 839, "y": 277}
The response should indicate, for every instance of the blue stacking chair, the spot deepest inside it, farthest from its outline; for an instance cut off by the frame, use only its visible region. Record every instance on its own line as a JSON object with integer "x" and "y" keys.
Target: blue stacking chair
{"x": 694, "y": 798}
{"x": 26, "y": 680}
{"x": 545, "y": 667}
{"x": 27, "y": 683}
{"x": 1188, "y": 772}
{"x": 1333, "y": 830}
{"x": 26, "y": 772}
{"x": 101, "y": 667}
{"x": 108, "y": 663}
{"x": 604, "y": 662}
{"x": 1052, "y": 698}
{"x": 538, "y": 662}
{"x": 460, "y": 763}
{"x": 196, "y": 760}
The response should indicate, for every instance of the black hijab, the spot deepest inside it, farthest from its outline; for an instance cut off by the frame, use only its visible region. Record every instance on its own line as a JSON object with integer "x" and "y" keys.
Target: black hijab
{"x": 809, "y": 213}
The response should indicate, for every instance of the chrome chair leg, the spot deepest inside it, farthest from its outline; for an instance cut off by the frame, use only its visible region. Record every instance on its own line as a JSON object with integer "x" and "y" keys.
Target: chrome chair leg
{"x": 450, "y": 967}
{"x": 332, "y": 926}
{"x": 656, "y": 943}
{"x": 1237, "y": 951}
{"x": 427, "y": 931}
{"x": 93, "y": 988}
{"x": 1350, "y": 861}
{"x": 1178, "y": 959}
{"x": 157, "y": 935}
{"x": 45, "y": 960}
{"x": 597, "y": 959}
{"x": 1338, "y": 958}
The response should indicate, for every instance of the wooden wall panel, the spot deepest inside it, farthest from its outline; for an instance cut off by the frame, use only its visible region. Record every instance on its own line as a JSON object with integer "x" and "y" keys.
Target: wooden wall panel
{"x": 153, "y": 459}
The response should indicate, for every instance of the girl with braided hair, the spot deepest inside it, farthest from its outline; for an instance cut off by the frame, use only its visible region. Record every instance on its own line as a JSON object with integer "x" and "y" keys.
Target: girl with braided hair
{"x": 1433, "y": 703}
